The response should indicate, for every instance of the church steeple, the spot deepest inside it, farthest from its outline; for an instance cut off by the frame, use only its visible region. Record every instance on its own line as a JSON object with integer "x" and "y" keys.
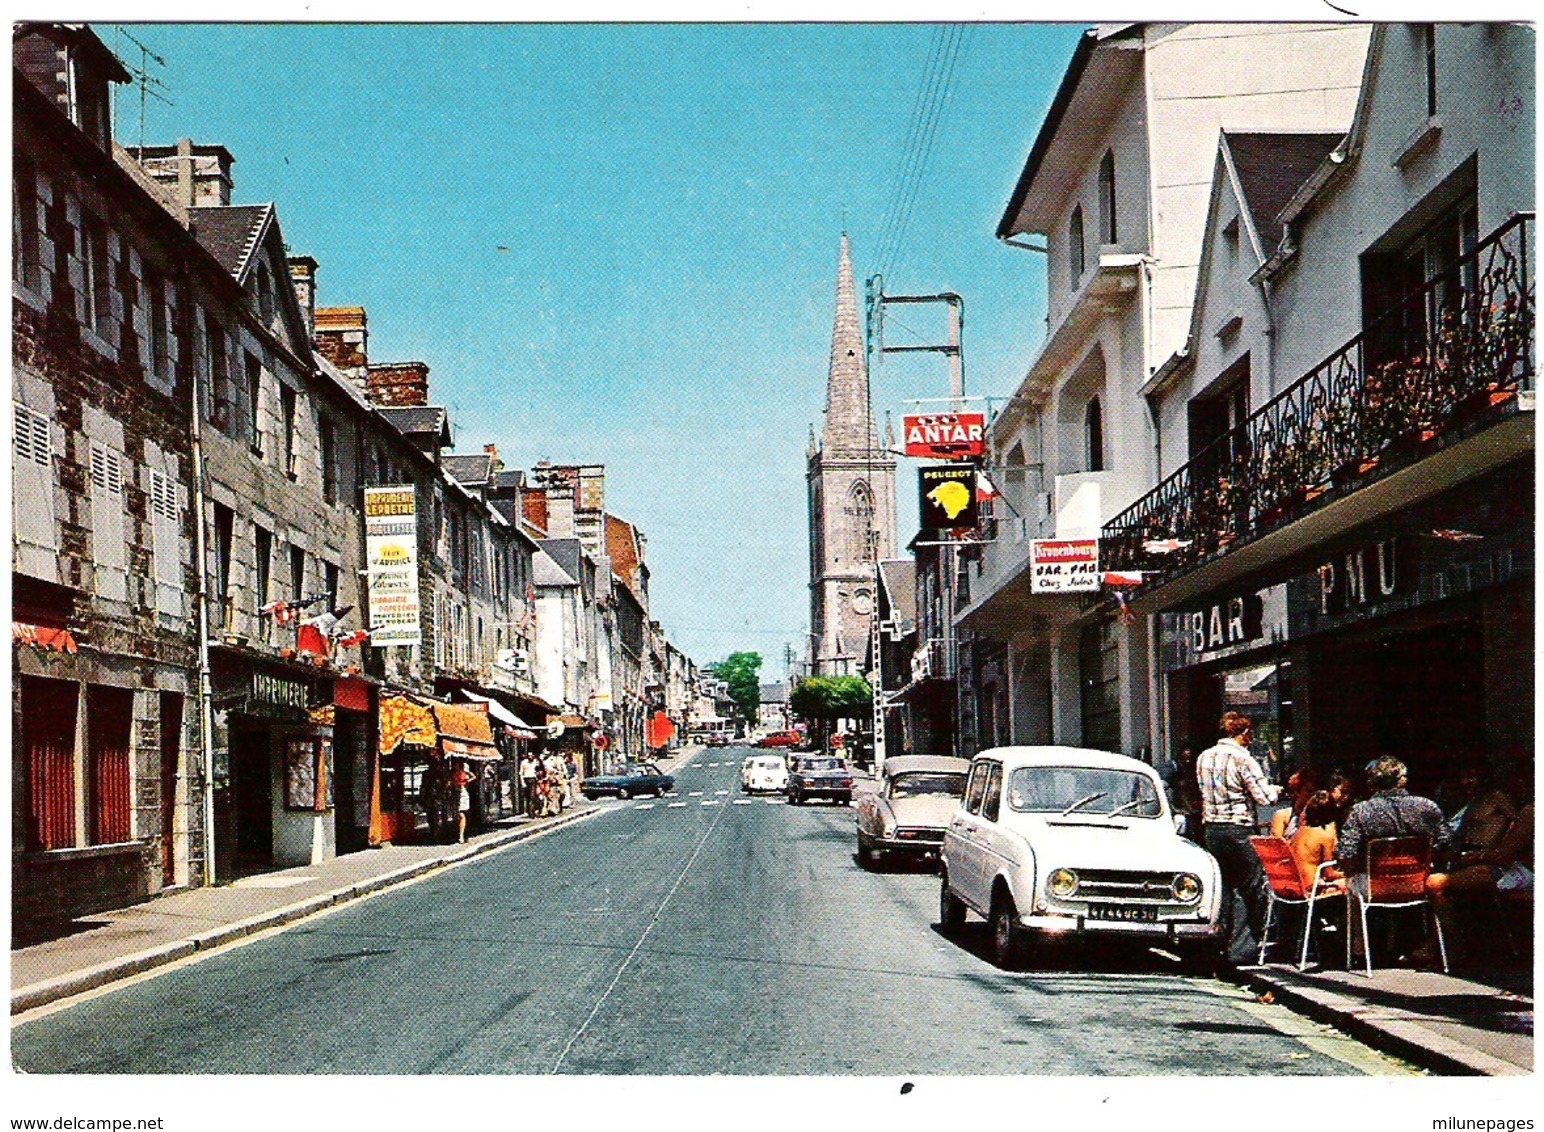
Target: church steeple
{"x": 849, "y": 428}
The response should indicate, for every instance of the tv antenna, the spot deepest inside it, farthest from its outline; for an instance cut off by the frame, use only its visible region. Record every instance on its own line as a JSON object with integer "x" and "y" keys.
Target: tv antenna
{"x": 149, "y": 86}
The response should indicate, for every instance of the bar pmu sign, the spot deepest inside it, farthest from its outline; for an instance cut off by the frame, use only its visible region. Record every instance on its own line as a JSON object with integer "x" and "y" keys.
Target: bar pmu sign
{"x": 1061, "y": 566}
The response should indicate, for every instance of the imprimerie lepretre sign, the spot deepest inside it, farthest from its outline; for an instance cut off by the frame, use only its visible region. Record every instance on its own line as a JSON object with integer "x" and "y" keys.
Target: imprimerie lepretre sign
{"x": 391, "y": 549}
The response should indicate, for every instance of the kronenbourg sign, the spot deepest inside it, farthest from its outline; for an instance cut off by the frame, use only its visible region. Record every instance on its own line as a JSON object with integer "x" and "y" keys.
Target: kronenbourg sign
{"x": 391, "y": 550}
{"x": 1060, "y": 566}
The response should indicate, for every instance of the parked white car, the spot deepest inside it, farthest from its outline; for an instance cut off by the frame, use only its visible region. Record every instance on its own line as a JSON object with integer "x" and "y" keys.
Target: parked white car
{"x": 917, "y": 795}
{"x": 1059, "y": 841}
{"x": 764, "y": 772}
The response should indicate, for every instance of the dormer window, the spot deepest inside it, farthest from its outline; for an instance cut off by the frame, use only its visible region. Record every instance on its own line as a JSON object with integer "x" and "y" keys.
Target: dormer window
{"x": 1075, "y": 246}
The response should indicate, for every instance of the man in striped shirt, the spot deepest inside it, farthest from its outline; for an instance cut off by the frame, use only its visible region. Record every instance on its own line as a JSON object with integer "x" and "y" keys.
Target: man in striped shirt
{"x": 1232, "y": 784}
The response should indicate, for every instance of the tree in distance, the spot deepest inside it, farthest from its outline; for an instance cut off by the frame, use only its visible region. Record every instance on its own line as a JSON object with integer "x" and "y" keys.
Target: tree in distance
{"x": 741, "y": 673}
{"x": 829, "y": 698}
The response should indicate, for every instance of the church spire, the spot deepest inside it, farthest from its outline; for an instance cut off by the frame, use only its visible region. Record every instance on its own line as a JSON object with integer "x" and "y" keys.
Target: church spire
{"x": 849, "y": 422}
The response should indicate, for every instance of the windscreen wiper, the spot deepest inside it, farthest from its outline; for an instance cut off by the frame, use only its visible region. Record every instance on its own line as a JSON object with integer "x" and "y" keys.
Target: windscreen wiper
{"x": 1081, "y": 802}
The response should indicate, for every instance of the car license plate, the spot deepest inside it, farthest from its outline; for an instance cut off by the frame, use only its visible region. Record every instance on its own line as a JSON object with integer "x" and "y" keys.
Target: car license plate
{"x": 1123, "y": 915}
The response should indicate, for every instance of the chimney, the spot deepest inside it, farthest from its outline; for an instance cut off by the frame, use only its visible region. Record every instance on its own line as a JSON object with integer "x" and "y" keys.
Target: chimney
{"x": 303, "y": 273}
{"x": 493, "y": 450}
{"x": 393, "y": 384}
{"x": 343, "y": 338}
{"x": 199, "y": 176}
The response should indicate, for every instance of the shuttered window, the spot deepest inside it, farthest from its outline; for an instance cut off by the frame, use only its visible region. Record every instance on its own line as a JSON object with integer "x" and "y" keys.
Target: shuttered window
{"x": 48, "y": 732}
{"x": 166, "y": 527}
{"x": 32, "y": 493}
{"x": 110, "y": 723}
{"x": 109, "y": 550}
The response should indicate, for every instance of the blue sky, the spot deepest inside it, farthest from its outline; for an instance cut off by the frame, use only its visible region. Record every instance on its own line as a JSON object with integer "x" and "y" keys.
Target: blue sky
{"x": 671, "y": 199}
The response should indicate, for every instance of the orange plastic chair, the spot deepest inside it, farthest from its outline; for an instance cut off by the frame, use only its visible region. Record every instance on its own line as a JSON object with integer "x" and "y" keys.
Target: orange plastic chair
{"x": 1286, "y": 887}
{"x": 1397, "y": 868}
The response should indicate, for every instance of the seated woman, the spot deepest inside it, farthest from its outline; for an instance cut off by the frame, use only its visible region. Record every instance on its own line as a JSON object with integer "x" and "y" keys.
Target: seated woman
{"x": 1302, "y": 785}
{"x": 1314, "y": 843}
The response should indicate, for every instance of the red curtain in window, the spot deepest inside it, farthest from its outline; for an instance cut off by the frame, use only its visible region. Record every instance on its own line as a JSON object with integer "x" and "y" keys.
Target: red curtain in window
{"x": 109, "y": 723}
{"x": 48, "y": 731}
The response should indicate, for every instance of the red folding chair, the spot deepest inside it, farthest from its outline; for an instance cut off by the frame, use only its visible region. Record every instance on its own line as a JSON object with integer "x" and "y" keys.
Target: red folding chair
{"x": 1397, "y": 868}
{"x": 1286, "y": 887}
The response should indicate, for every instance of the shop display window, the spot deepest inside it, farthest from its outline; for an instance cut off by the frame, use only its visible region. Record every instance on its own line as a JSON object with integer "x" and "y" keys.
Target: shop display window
{"x": 308, "y": 774}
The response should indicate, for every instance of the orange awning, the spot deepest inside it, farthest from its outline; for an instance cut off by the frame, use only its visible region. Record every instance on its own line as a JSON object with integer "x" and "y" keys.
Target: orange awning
{"x": 463, "y": 723}
{"x": 404, "y": 721}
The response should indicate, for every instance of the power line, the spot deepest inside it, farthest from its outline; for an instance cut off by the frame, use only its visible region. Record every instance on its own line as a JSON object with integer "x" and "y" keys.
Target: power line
{"x": 909, "y": 144}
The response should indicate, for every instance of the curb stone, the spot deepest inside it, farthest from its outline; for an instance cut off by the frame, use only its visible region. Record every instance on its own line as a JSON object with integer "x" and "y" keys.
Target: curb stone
{"x": 1405, "y": 1040}
{"x": 115, "y": 970}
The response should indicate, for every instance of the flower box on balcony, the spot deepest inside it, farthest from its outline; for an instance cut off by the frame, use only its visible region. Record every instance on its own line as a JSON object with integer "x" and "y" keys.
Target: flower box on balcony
{"x": 1285, "y": 507}
{"x": 1352, "y": 470}
{"x": 1412, "y": 440}
{"x": 1481, "y": 401}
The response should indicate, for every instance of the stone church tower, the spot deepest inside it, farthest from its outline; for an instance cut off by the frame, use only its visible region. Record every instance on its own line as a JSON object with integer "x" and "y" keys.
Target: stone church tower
{"x": 851, "y": 492}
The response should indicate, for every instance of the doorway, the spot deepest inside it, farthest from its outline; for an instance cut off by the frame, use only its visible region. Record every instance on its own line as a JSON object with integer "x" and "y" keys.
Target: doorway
{"x": 171, "y": 747}
{"x": 252, "y": 799}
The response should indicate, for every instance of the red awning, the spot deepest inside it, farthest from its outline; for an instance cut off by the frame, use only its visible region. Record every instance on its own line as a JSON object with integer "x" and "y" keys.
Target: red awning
{"x": 42, "y": 637}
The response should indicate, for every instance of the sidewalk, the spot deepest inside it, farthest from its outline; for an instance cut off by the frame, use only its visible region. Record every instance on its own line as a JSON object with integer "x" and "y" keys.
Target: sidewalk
{"x": 162, "y": 930}
{"x": 1444, "y": 1023}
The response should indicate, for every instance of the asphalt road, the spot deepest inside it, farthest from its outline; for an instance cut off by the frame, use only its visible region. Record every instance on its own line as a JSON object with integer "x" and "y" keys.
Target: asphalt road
{"x": 701, "y": 934}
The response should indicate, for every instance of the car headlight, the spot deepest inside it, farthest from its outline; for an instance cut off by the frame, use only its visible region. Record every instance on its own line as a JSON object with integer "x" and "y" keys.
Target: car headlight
{"x": 1063, "y": 883}
{"x": 1187, "y": 888}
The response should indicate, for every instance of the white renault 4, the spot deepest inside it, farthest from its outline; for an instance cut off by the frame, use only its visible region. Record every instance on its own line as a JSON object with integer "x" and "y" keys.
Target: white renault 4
{"x": 1060, "y": 841}
{"x": 767, "y": 773}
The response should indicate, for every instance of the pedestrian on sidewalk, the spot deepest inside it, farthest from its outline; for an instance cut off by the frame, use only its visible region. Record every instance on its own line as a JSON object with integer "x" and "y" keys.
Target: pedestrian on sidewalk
{"x": 555, "y": 777}
{"x": 1232, "y": 785}
{"x": 570, "y": 775}
{"x": 528, "y": 798}
{"x": 460, "y": 782}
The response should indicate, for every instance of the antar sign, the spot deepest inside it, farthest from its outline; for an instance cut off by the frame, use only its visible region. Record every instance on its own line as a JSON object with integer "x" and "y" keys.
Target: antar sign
{"x": 946, "y": 436}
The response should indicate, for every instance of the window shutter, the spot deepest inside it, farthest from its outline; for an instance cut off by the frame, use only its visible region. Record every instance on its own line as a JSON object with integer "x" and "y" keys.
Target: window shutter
{"x": 32, "y": 494}
{"x": 109, "y": 550}
{"x": 166, "y": 528}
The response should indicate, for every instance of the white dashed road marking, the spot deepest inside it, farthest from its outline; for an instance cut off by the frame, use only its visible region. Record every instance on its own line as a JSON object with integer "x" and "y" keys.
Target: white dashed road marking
{"x": 721, "y": 792}
{"x": 744, "y": 802}
{"x": 775, "y": 801}
{"x": 644, "y": 806}
{"x": 695, "y": 794}
{"x": 710, "y": 802}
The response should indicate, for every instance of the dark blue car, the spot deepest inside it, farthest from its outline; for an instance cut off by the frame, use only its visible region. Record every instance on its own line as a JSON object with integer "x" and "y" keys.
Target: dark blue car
{"x": 631, "y": 781}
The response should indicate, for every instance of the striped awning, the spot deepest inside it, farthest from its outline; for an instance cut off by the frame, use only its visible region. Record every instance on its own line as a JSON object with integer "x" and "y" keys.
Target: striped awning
{"x": 406, "y": 721}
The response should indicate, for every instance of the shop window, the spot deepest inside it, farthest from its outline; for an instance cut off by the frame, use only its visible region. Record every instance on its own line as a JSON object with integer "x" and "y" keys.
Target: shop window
{"x": 1099, "y": 671}
{"x": 1107, "y": 198}
{"x": 48, "y": 711}
{"x": 110, "y": 724}
{"x": 308, "y": 774}
{"x": 1076, "y": 251}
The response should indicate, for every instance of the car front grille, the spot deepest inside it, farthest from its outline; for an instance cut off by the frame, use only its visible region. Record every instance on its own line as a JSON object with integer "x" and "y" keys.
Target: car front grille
{"x": 1125, "y": 886}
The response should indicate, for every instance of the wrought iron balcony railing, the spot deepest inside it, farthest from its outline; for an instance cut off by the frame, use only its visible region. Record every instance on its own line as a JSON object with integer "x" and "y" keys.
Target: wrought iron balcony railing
{"x": 1447, "y": 359}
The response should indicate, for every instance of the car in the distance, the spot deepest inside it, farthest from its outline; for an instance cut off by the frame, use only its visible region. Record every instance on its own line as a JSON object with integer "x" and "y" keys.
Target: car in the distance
{"x": 718, "y": 740}
{"x": 907, "y": 814}
{"x": 764, "y": 772}
{"x": 780, "y": 739}
{"x": 819, "y": 776}
{"x": 633, "y": 780}
{"x": 1060, "y": 842}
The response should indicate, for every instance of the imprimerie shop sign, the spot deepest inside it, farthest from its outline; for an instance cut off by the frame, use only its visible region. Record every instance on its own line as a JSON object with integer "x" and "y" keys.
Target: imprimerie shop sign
{"x": 391, "y": 548}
